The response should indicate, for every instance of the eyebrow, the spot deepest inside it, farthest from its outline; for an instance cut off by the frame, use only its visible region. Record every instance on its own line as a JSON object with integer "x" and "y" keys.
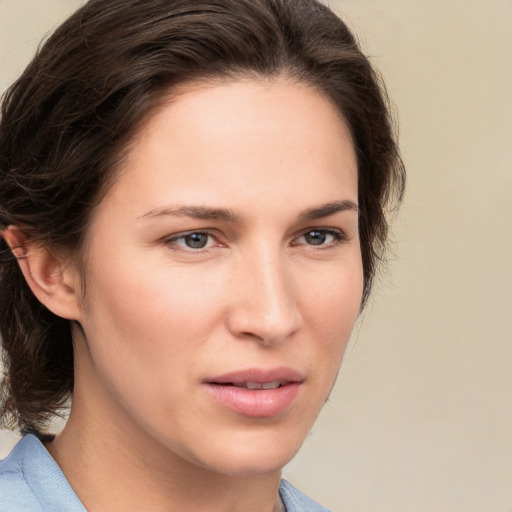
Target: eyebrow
{"x": 196, "y": 212}
{"x": 222, "y": 214}
{"x": 328, "y": 209}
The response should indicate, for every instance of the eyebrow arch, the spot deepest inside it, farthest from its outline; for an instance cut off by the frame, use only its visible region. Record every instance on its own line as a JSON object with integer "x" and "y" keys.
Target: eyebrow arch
{"x": 328, "y": 209}
{"x": 197, "y": 212}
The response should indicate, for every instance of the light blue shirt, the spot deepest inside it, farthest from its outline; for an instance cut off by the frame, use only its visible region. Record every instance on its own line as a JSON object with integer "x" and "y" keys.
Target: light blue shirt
{"x": 31, "y": 481}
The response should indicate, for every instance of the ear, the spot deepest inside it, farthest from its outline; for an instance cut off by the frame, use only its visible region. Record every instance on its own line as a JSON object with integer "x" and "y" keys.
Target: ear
{"x": 52, "y": 279}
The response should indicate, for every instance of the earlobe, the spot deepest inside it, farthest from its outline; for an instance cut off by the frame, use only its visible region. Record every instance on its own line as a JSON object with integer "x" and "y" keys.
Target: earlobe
{"x": 52, "y": 280}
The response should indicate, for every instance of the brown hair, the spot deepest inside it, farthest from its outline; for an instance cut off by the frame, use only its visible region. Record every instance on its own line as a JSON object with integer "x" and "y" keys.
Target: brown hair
{"x": 67, "y": 119}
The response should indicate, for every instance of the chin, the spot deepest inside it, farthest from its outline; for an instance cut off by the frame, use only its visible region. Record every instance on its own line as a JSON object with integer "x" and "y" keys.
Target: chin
{"x": 252, "y": 457}
{"x": 257, "y": 465}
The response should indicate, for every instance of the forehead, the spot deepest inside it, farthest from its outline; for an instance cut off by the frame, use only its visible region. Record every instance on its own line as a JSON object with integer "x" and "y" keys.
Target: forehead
{"x": 241, "y": 140}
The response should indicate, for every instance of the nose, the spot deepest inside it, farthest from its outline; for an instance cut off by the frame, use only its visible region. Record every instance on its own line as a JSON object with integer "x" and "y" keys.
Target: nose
{"x": 265, "y": 306}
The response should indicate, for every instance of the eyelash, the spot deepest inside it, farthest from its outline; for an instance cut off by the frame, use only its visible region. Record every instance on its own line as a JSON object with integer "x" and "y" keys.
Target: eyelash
{"x": 172, "y": 241}
{"x": 339, "y": 237}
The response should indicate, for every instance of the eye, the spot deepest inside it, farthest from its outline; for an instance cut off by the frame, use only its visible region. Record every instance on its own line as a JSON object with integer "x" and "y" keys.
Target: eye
{"x": 192, "y": 240}
{"x": 196, "y": 240}
{"x": 321, "y": 237}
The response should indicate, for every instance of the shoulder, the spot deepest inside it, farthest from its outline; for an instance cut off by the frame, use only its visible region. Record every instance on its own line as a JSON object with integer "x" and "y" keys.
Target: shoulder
{"x": 16, "y": 493}
{"x": 30, "y": 480}
{"x": 296, "y": 501}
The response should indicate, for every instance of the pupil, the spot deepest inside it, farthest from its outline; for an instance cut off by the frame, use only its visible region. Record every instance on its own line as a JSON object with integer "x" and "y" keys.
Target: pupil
{"x": 315, "y": 238}
{"x": 196, "y": 240}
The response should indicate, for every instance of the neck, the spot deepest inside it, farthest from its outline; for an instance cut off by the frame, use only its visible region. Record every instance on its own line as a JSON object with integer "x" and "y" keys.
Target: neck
{"x": 109, "y": 473}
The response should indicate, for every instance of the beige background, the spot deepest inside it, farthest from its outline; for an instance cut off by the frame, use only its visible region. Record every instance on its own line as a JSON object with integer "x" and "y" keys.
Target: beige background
{"x": 421, "y": 419}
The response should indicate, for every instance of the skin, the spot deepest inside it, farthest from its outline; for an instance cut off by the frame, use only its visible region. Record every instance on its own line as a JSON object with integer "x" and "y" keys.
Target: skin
{"x": 160, "y": 317}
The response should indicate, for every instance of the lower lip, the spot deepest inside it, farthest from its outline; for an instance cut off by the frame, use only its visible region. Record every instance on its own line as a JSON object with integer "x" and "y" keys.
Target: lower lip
{"x": 257, "y": 403}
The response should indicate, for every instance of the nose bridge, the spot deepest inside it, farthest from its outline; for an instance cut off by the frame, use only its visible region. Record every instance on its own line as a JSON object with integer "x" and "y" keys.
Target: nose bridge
{"x": 267, "y": 304}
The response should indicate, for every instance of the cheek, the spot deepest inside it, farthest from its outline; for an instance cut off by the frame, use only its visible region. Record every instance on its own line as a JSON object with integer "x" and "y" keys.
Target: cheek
{"x": 152, "y": 318}
{"x": 140, "y": 316}
{"x": 335, "y": 296}
{"x": 146, "y": 336}
{"x": 333, "y": 308}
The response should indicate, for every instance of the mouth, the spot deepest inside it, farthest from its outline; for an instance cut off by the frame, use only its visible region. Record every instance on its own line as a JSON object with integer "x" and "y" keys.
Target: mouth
{"x": 258, "y": 378}
{"x": 254, "y": 386}
{"x": 257, "y": 393}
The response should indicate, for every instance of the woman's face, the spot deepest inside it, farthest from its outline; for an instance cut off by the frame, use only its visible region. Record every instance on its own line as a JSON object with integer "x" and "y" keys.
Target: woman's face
{"x": 223, "y": 277}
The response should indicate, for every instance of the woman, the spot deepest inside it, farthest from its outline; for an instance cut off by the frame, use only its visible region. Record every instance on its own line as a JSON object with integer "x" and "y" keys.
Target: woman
{"x": 192, "y": 208}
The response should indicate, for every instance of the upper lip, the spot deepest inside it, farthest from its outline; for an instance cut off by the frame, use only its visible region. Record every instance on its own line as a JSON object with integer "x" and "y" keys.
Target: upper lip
{"x": 259, "y": 375}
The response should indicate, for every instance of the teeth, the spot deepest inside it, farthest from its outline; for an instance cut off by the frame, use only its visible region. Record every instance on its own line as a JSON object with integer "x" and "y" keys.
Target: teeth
{"x": 261, "y": 385}
{"x": 271, "y": 385}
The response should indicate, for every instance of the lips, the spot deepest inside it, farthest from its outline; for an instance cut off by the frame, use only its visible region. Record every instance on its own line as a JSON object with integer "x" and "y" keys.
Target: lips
{"x": 256, "y": 392}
